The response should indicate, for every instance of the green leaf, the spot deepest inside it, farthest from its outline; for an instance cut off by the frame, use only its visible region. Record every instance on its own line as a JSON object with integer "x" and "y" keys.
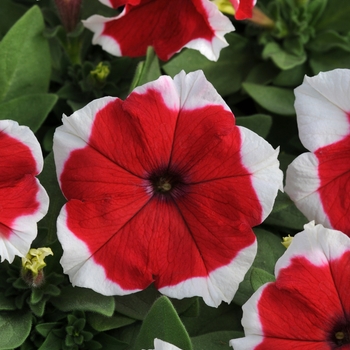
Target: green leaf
{"x": 215, "y": 341}
{"x": 162, "y": 322}
{"x": 110, "y": 343}
{"x": 291, "y": 77}
{"x": 328, "y": 40}
{"x": 259, "y": 277}
{"x": 325, "y": 61}
{"x": 259, "y": 123}
{"x": 227, "y": 73}
{"x": 30, "y": 110}
{"x": 103, "y": 323}
{"x": 274, "y": 99}
{"x": 6, "y": 303}
{"x": 13, "y": 13}
{"x": 52, "y": 342}
{"x": 285, "y": 214}
{"x": 14, "y": 328}
{"x": 137, "y": 305}
{"x": 146, "y": 71}
{"x": 45, "y": 328}
{"x": 335, "y": 16}
{"x": 226, "y": 317}
{"x": 75, "y": 298}
{"x": 262, "y": 73}
{"x": 282, "y": 58}
{"x": 48, "y": 179}
{"x": 25, "y": 62}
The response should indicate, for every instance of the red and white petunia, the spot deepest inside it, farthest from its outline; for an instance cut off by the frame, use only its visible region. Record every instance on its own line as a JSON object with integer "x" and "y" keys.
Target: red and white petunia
{"x": 23, "y": 200}
{"x": 308, "y": 307}
{"x": 319, "y": 182}
{"x": 163, "y": 345}
{"x": 163, "y": 188}
{"x": 243, "y": 8}
{"x": 167, "y": 26}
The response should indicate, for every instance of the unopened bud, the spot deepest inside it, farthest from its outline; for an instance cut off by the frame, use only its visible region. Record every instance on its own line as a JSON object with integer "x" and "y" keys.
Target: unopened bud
{"x": 69, "y": 13}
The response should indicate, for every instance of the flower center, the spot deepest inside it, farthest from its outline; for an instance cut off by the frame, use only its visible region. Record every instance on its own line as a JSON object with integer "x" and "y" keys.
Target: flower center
{"x": 341, "y": 335}
{"x": 166, "y": 183}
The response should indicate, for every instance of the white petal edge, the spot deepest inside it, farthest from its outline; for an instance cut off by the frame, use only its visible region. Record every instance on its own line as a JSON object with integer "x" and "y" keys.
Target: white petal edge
{"x": 24, "y": 135}
{"x": 251, "y": 324}
{"x": 75, "y": 131}
{"x": 302, "y": 184}
{"x": 185, "y": 92}
{"x": 260, "y": 159}
{"x": 317, "y": 244}
{"x": 78, "y": 263}
{"x": 220, "y": 285}
{"x": 322, "y": 103}
{"x": 24, "y": 229}
{"x": 221, "y": 25}
{"x": 163, "y": 345}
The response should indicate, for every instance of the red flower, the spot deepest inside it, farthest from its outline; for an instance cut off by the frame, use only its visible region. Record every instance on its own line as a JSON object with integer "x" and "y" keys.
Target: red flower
{"x": 308, "y": 307}
{"x": 166, "y": 25}
{"x": 163, "y": 188}
{"x": 319, "y": 181}
{"x": 243, "y": 8}
{"x": 23, "y": 200}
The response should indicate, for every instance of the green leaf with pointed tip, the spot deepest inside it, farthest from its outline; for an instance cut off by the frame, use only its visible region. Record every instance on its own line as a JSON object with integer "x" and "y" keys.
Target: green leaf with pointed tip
{"x": 227, "y": 73}
{"x": 52, "y": 342}
{"x": 25, "y": 62}
{"x": 215, "y": 341}
{"x": 274, "y": 99}
{"x": 75, "y": 298}
{"x": 259, "y": 277}
{"x": 259, "y": 123}
{"x": 146, "y": 71}
{"x": 14, "y": 328}
{"x": 45, "y": 328}
{"x": 282, "y": 58}
{"x": 163, "y": 322}
{"x": 103, "y": 323}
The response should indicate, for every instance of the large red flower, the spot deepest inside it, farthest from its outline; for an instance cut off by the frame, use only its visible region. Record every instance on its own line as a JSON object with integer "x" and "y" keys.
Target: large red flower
{"x": 308, "y": 307}
{"x": 163, "y": 188}
{"x": 319, "y": 181}
{"x": 166, "y": 25}
{"x": 23, "y": 200}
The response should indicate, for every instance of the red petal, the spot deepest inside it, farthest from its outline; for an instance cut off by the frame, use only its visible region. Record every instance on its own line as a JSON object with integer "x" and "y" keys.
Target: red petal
{"x": 18, "y": 198}
{"x": 16, "y": 159}
{"x": 244, "y": 10}
{"x": 334, "y": 175}
{"x": 303, "y": 304}
{"x": 166, "y": 25}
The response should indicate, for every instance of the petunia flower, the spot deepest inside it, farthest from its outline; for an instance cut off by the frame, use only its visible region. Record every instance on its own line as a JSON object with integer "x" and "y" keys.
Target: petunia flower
{"x": 163, "y": 188}
{"x": 319, "y": 181}
{"x": 166, "y": 25}
{"x": 23, "y": 200}
{"x": 308, "y": 307}
{"x": 163, "y": 345}
{"x": 243, "y": 8}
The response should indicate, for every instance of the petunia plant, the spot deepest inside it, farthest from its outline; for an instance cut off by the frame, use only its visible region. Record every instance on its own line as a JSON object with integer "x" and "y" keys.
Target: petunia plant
{"x": 144, "y": 187}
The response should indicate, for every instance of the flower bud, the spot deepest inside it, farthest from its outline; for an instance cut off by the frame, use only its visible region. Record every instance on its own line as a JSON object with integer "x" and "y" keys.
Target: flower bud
{"x": 69, "y": 12}
{"x": 32, "y": 266}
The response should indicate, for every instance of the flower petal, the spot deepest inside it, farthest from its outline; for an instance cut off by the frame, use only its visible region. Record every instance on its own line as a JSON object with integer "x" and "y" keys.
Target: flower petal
{"x": 167, "y": 26}
{"x": 24, "y": 201}
{"x": 243, "y": 8}
{"x": 308, "y": 299}
{"x": 119, "y": 234}
{"x": 323, "y": 108}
